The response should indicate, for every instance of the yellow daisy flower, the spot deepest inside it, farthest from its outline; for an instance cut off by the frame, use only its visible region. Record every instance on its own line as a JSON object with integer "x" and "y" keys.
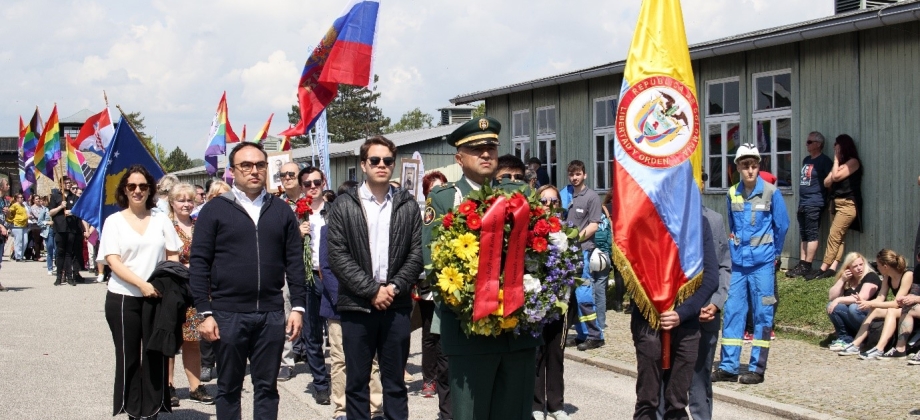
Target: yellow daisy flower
{"x": 466, "y": 246}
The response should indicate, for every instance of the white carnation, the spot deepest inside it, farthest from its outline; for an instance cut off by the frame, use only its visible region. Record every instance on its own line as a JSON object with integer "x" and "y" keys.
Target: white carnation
{"x": 558, "y": 239}
{"x": 531, "y": 283}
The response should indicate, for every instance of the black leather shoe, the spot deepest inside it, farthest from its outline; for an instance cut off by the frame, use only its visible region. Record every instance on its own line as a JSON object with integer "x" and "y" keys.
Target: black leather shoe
{"x": 751, "y": 378}
{"x": 590, "y": 344}
{"x": 285, "y": 374}
{"x": 321, "y": 397}
{"x": 720, "y": 375}
{"x": 572, "y": 342}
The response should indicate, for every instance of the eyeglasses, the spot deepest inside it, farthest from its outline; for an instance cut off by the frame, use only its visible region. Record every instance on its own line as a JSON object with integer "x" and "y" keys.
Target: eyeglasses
{"x": 288, "y": 174}
{"x": 549, "y": 201}
{"x": 132, "y": 187}
{"x": 387, "y": 161}
{"x": 516, "y": 177}
{"x": 248, "y": 166}
{"x": 316, "y": 183}
{"x": 811, "y": 142}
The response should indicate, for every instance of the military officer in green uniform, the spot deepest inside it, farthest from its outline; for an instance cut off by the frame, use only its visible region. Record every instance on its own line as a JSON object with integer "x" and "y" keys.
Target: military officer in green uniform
{"x": 491, "y": 378}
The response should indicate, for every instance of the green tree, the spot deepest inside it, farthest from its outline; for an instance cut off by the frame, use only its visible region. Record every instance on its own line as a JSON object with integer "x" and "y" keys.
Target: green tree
{"x": 136, "y": 120}
{"x": 480, "y": 110}
{"x": 177, "y": 160}
{"x": 197, "y": 162}
{"x": 412, "y": 120}
{"x": 352, "y": 115}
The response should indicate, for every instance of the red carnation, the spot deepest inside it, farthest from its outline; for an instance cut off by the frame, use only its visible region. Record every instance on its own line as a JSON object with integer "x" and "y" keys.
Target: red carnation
{"x": 537, "y": 211}
{"x": 467, "y": 207}
{"x": 448, "y": 220}
{"x": 541, "y": 228}
{"x": 473, "y": 221}
{"x": 539, "y": 244}
{"x": 303, "y": 208}
{"x": 554, "y": 224}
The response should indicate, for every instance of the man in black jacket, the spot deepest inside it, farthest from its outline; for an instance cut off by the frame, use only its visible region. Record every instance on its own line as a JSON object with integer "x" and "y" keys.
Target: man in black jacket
{"x": 246, "y": 241}
{"x": 375, "y": 250}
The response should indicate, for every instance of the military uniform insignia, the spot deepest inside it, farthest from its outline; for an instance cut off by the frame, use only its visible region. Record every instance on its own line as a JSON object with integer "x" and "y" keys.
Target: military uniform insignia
{"x": 429, "y": 214}
{"x": 483, "y": 124}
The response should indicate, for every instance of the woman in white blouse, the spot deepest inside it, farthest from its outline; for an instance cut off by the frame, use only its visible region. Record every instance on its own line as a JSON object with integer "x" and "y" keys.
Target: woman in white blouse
{"x": 133, "y": 242}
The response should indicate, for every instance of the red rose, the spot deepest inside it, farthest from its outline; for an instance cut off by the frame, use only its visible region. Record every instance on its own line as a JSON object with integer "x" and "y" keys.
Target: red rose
{"x": 554, "y": 224}
{"x": 539, "y": 244}
{"x": 537, "y": 211}
{"x": 491, "y": 200}
{"x": 448, "y": 220}
{"x": 473, "y": 221}
{"x": 541, "y": 228}
{"x": 467, "y": 207}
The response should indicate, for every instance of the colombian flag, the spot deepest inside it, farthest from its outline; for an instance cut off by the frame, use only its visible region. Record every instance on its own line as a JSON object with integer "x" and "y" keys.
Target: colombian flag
{"x": 342, "y": 56}
{"x": 657, "y": 209}
{"x": 48, "y": 150}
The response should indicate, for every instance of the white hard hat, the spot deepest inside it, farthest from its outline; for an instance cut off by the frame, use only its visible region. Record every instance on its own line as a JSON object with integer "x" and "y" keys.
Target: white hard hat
{"x": 745, "y": 151}
{"x": 599, "y": 261}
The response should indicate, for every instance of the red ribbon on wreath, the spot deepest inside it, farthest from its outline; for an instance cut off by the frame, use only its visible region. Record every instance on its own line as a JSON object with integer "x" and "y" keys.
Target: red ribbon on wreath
{"x": 491, "y": 242}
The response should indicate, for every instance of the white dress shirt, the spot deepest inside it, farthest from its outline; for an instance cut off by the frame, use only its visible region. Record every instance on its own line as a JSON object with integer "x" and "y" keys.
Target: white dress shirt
{"x": 378, "y": 230}
{"x": 253, "y": 207}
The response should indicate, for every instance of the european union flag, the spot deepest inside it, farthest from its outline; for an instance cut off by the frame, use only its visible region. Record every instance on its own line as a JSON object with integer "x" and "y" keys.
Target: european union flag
{"x": 98, "y": 199}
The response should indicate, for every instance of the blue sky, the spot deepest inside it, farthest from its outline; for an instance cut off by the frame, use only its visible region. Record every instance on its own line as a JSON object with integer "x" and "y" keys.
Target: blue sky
{"x": 172, "y": 59}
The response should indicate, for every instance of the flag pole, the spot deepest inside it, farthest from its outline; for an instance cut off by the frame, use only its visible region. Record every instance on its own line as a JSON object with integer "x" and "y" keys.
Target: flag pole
{"x": 125, "y": 118}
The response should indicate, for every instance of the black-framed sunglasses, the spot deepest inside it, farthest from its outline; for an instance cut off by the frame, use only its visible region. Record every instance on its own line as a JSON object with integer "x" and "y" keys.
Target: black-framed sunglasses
{"x": 811, "y": 142}
{"x": 516, "y": 177}
{"x": 315, "y": 183}
{"x": 131, "y": 187}
{"x": 375, "y": 160}
{"x": 248, "y": 166}
{"x": 288, "y": 174}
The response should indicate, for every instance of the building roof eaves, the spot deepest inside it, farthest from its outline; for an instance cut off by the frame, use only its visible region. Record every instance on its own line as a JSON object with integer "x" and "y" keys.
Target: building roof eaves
{"x": 895, "y": 13}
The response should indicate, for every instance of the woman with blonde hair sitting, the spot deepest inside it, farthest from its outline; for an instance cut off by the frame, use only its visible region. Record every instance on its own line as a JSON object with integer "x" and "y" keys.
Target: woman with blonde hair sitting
{"x": 894, "y": 268}
{"x": 856, "y": 284}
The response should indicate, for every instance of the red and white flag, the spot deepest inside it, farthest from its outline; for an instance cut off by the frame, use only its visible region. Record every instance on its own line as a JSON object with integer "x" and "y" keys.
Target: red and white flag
{"x": 96, "y": 134}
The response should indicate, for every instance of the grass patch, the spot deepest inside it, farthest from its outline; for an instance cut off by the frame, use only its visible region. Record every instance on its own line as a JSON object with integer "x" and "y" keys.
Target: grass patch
{"x": 802, "y": 304}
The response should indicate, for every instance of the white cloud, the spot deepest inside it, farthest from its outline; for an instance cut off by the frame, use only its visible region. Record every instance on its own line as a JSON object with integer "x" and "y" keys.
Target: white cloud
{"x": 172, "y": 59}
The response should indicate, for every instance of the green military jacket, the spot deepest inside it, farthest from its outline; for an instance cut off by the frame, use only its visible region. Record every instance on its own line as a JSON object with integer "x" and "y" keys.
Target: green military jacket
{"x": 453, "y": 340}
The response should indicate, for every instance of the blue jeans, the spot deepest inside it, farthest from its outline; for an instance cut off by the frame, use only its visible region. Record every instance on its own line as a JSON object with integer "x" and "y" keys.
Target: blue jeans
{"x": 49, "y": 250}
{"x": 846, "y": 320}
{"x": 20, "y": 240}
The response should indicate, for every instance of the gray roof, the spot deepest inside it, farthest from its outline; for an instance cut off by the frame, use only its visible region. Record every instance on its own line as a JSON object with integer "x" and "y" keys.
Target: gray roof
{"x": 352, "y": 148}
{"x": 903, "y": 11}
{"x": 79, "y": 118}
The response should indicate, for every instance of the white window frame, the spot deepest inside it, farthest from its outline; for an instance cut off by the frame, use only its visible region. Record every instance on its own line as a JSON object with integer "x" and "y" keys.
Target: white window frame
{"x": 353, "y": 170}
{"x": 520, "y": 144}
{"x": 608, "y": 131}
{"x": 545, "y": 143}
{"x": 773, "y": 115}
{"x": 722, "y": 120}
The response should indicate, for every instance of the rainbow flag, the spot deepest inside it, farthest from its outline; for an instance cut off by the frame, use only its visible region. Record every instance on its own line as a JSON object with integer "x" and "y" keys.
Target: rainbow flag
{"x": 657, "y": 209}
{"x": 48, "y": 150}
{"x": 263, "y": 133}
{"x": 342, "y": 56}
{"x": 26, "y": 172}
{"x": 221, "y": 134}
{"x": 75, "y": 163}
{"x": 285, "y": 143}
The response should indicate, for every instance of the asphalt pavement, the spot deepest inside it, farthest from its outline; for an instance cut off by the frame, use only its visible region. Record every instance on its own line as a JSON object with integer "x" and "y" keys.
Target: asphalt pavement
{"x": 57, "y": 362}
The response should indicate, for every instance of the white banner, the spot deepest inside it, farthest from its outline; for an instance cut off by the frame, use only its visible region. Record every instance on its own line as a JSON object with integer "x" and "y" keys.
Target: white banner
{"x": 321, "y": 147}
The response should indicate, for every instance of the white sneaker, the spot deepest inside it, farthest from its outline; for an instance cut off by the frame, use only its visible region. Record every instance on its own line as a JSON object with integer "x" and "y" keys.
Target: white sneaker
{"x": 559, "y": 415}
{"x": 100, "y": 278}
{"x": 872, "y": 354}
{"x": 50, "y": 273}
{"x": 837, "y": 345}
{"x": 850, "y": 350}
{"x": 914, "y": 359}
{"x": 538, "y": 415}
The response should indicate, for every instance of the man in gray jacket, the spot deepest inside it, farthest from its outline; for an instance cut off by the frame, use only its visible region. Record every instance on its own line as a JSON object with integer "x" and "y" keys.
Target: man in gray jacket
{"x": 710, "y": 322}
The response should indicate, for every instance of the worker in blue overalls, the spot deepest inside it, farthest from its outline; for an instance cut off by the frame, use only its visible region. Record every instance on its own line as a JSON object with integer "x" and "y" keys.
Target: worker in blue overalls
{"x": 757, "y": 225}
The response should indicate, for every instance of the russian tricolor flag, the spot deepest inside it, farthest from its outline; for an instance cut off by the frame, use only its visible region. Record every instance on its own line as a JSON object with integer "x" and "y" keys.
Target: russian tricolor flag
{"x": 344, "y": 55}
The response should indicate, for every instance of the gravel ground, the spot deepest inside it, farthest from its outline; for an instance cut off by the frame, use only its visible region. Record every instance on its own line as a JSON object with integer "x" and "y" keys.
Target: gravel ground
{"x": 803, "y": 374}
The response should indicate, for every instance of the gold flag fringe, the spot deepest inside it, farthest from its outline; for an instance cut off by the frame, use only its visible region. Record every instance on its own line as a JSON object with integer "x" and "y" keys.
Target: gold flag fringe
{"x": 638, "y": 295}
